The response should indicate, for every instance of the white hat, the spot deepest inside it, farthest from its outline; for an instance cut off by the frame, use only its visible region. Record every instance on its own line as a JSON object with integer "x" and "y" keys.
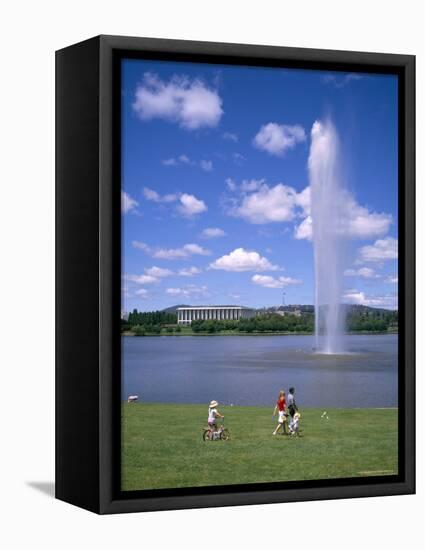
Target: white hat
{"x": 213, "y": 404}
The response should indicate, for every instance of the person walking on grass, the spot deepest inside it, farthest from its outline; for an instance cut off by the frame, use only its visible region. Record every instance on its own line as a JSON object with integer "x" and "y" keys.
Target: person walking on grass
{"x": 280, "y": 407}
{"x": 212, "y": 415}
{"x": 292, "y": 406}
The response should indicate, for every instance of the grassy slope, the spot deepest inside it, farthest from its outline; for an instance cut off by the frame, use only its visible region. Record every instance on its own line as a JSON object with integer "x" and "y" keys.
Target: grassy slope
{"x": 163, "y": 446}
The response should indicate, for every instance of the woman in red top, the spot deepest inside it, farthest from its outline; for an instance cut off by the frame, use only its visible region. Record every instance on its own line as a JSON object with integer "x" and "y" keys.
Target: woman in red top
{"x": 281, "y": 408}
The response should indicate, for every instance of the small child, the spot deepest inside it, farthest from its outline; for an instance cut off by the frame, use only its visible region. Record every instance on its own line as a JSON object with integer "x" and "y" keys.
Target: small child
{"x": 281, "y": 408}
{"x": 294, "y": 426}
{"x": 213, "y": 414}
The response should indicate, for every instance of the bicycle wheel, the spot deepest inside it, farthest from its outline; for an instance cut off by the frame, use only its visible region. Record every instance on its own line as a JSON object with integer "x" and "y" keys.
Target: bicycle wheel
{"x": 207, "y": 435}
{"x": 225, "y": 435}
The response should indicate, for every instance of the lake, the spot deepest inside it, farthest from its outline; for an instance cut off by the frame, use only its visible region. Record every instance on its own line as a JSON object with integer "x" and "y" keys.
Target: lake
{"x": 250, "y": 370}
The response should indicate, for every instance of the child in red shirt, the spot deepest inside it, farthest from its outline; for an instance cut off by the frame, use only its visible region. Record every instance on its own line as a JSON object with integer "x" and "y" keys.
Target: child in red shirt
{"x": 281, "y": 408}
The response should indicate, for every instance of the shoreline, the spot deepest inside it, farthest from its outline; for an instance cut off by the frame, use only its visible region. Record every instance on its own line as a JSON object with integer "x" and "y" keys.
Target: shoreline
{"x": 243, "y": 334}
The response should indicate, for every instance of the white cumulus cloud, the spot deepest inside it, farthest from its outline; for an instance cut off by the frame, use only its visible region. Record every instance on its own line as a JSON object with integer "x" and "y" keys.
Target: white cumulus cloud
{"x": 141, "y": 246}
{"x": 360, "y": 223}
{"x": 305, "y": 229}
{"x": 380, "y": 251}
{"x": 229, "y": 136}
{"x": 188, "y": 290}
{"x": 231, "y": 184}
{"x": 187, "y": 205}
{"x": 238, "y": 158}
{"x": 152, "y": 195}
{"x": 358, "y": 297}
{"x": 266, "y": 204}
{"x": 243, "y": 260}
{"x": 190, "y": 205}
{"x": 356, "y": 221}
{"x": 206, "y": 165}
{"x": 365, "y": 272}
{"x": 248, "y": 186}
{"x": 260, "y": 203}
{"x": 268, "y": 281}
{"x": 189, "y": 271}
{"x": 188, "y": 102}
{"x": 142, "y": 293}
{"x": 151, "y": 275}
{"x": 303, "y": 200}
{"x": 169, "y": 162}
{"x": 127, "y": 203}
{"x": 158, "y": 272}
{"x": 185, "y": 251}
{"x": 276, "y": 139}
{"x": 212, "y": 233}
{"x": 142, "y": 279}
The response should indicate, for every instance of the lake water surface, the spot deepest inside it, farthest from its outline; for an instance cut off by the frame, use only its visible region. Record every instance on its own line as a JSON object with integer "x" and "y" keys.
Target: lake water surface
{"x": 250, "y": 370}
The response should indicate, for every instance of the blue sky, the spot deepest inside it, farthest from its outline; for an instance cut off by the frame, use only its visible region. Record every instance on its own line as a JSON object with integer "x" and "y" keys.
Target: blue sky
{"x": 215, "y": 198}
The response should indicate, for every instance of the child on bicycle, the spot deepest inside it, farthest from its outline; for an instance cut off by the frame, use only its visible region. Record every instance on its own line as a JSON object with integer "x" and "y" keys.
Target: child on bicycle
{"x": 281, "y": 408}
{"x": 213, "y": 414}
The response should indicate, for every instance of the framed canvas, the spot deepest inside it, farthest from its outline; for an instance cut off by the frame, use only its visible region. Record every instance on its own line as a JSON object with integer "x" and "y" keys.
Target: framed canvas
{"x": 235, "y": 274}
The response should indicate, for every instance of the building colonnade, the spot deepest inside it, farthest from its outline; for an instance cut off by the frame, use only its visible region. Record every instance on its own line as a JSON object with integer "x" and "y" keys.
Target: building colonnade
{"x": 185, "y": 315}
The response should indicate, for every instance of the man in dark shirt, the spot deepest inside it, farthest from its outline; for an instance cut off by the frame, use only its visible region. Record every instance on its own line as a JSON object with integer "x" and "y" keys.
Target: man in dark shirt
{"x": 290, "y": 402}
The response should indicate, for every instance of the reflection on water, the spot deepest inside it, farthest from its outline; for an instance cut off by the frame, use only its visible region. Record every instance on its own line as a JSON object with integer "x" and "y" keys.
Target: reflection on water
{"x": 250, "y": 370}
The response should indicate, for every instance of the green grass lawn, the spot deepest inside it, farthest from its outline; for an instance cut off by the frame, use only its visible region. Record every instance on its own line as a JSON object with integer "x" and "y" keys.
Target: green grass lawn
{"x": 163, "y": 446}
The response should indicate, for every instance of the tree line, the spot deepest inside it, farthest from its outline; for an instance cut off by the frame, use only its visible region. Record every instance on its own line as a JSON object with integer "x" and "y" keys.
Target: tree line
{"x": 266, "y": 322}
{"x": 358, "y": 318}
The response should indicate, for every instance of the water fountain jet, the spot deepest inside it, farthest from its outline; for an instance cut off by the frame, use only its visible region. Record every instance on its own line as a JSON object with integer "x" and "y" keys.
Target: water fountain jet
{"x": 327, "y": 212}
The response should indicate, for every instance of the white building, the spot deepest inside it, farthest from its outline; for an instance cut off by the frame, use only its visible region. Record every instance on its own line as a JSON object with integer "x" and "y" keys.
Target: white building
{"x": 185, "y": 315}
{"x": 295, "y": 312}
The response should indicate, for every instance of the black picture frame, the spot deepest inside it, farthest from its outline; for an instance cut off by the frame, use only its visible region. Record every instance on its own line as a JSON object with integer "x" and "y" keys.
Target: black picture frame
{"x": 88, "y": 273}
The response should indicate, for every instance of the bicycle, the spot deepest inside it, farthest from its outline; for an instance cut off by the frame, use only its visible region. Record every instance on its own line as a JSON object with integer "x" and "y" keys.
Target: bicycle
{"x": 212, "y": 435}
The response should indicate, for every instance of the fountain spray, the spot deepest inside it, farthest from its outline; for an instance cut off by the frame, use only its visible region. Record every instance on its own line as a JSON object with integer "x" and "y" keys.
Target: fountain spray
{"x": 327, "y": 195}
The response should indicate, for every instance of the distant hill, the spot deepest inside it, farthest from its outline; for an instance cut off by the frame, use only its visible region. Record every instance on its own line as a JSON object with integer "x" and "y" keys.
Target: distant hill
{"x": 358, "y": 319}
{"x": 366, "y": 309}
{"x": 351, "y": 308}
{"x": 304, "y": 308}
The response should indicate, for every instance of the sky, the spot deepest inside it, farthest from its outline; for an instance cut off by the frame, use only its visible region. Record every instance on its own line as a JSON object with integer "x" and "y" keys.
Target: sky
{"x": 215, "y": 184}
